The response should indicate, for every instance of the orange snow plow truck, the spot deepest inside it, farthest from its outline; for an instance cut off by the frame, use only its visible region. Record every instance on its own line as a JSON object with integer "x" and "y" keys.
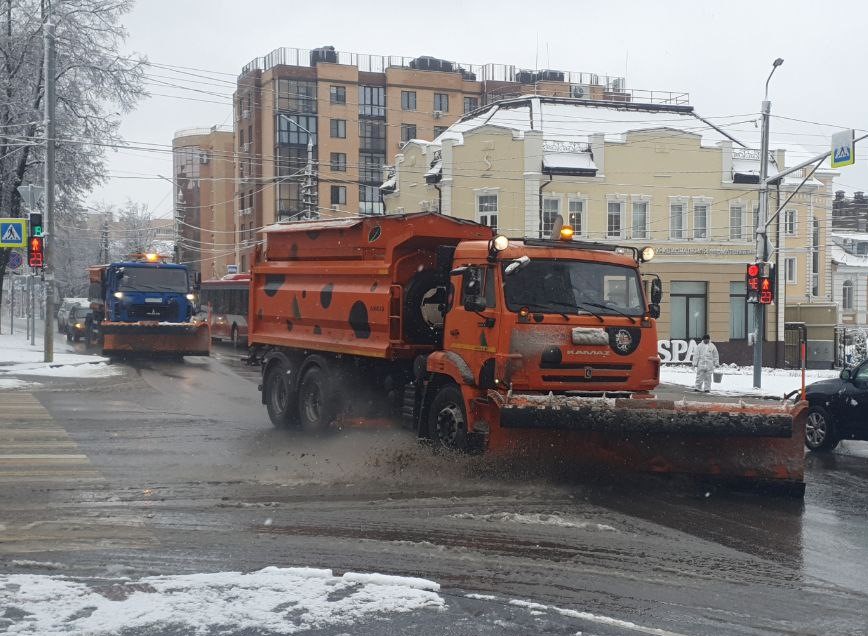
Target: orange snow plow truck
{"x": 543, "y": 348}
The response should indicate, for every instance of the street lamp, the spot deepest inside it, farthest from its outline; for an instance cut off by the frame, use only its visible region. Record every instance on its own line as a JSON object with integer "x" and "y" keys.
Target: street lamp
{"x": 762, "y": 249}
{"x": 310, "y": 207}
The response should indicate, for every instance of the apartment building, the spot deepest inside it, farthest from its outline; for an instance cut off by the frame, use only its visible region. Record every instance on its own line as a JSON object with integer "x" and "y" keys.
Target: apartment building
{"x": 352, "y": 112}
{"x": 210, "y": 232}
{"x": 636, "y": 174}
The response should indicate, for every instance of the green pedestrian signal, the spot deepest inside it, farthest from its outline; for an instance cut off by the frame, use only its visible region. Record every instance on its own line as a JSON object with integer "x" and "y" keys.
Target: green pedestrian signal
{"x": 36, "y": 224}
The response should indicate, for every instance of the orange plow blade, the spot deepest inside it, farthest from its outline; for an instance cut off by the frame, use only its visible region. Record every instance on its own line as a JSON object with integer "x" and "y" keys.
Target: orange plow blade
{"x": 155, "y": 338}
{"x": 753, "y": 444}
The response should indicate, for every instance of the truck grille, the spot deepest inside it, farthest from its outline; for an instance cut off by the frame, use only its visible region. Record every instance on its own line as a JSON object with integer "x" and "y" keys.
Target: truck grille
{"x": 577, "y": 372}
{"x": 152, "y": 312}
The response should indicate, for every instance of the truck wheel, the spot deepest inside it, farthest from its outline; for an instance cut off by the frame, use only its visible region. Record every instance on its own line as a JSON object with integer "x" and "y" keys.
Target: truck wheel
{"x": 820, "y": 430}
{"x": 279, "y": 398}
{"x": 316, "y": 400}
{"x": 447, "y": 420}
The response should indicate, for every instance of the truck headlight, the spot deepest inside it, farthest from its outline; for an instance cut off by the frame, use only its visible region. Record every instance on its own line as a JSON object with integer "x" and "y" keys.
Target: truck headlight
{"x": 191, "y": 297}
{"x": 646, "y": 254}
{"x": 118, "y": 294}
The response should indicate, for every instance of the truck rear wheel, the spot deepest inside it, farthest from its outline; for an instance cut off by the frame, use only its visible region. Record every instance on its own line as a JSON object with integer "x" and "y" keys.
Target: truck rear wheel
{"x": 447, "y": 419}
{"x": 316, "y": 400}
{"x": 279, "y": 398}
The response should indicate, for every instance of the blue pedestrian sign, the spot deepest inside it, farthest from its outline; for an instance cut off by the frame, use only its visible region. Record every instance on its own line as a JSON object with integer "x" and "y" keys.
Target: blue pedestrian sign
{"x": 15, "y": 261}
{"x": 13, "y": 233}
{"x": 843, "y": 149}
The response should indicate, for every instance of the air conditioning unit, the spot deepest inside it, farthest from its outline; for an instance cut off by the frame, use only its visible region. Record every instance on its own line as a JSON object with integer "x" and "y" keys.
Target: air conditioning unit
{"x": 580, "y": 91}
{"x": 203, "y": 158}
{"x": 438, "y": 114}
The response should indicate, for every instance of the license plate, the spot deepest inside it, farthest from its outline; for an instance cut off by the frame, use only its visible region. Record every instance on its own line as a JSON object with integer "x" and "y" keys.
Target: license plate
{"x": 153, "y": 300}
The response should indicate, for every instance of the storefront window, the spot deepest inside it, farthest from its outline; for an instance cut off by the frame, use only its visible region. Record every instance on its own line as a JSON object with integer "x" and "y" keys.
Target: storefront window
{"x": 689, "y": 309}
{"x": 741, "y": 316}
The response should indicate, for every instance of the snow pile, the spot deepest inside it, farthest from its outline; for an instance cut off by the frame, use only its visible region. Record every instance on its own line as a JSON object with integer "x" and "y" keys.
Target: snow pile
{"x": 539, "y": 519}
{"x": 592, "y": 618}
{"x": 53, "y": 370}
{"x": 279, "y": 600}
{"x": 739, "y": 380}
{"x": 18, "y": 357}
{"x": 12, "y": 383}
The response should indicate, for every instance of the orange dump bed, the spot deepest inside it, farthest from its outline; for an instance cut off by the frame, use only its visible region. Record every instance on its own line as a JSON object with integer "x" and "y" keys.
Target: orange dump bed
{"x": 340, "y": 285}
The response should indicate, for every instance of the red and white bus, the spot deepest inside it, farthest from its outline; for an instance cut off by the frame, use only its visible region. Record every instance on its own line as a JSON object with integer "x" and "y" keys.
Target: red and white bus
{"x": 225, "y": 302}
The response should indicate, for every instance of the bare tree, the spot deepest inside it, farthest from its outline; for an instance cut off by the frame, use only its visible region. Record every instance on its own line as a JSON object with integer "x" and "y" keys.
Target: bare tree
{"x": 136, "y": 233}
{"x": 95, "y": 83}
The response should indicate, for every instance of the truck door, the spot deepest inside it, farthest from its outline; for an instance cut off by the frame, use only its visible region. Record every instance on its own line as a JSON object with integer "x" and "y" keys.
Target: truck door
{"x": 471, "y": 328}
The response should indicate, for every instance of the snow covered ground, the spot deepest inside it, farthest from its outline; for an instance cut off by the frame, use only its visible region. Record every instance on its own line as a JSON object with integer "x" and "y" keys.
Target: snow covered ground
{"x": 19, "y": 358}
{"x": 739, "y": 380}
{"x": 278, "y": 600}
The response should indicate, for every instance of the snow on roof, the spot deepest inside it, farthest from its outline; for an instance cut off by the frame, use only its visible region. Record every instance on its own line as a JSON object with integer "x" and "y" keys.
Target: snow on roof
{"x": 842, "y": 257}
{"x": 855, "y": 236}
{"x": 435, "y": 169}
{"x": 568, "y": 161}
{"x": 390, "y": 183}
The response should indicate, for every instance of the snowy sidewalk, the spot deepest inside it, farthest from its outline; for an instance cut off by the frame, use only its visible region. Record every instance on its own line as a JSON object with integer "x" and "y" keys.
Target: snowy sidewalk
{"x": 738, "y": 381}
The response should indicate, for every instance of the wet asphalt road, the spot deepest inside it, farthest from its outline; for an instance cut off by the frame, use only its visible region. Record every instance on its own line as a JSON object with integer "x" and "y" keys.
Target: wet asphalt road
{"x": 178, "y": 470}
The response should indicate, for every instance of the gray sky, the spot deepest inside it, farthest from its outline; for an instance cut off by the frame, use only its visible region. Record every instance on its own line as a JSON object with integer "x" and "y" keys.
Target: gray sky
{"x": 719, "y": 52}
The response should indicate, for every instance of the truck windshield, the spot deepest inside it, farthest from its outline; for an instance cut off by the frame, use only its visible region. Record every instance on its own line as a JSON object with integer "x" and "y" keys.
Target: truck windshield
{"x": 556, "y": 286}
{"x": 154, "y": 279}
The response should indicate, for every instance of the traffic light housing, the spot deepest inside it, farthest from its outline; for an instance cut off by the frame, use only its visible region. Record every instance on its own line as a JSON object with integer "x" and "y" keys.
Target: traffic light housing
{"x": 36, "y": 228}
{"x": 760, "y": 281}
{"x": 36, "y": 251}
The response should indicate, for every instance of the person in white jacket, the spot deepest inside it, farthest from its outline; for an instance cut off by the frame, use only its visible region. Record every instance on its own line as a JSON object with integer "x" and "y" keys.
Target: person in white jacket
{"x": 705, "y": 361}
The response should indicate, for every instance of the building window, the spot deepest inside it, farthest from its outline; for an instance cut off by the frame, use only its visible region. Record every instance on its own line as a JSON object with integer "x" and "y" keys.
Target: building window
{"x": 790, "y": 270}
{"x": 372, "y": 101}
{"x": 741, "y": 314}
{"x": 576, "y": 208}
{"x": 700, "y": 220}
{"x": 370, "y": 201}
{"x": 291, "y": 129}
{"x": 338, "y": 162}
{"x": 790, "y": 218}
{"x": 338, "y": 128}
{"x": 372, "y": 136}
{"x": 296, "y": 96}
{"x": 339, "y": 195}
{"x": 439, "y": 130}
{"x": 470, "y": 104}
{"x": 551, "y": 211}
{"x": 408, "y": 100}
{"x": 677, "y": 221}
{"x": 441, "y": 102}
{"x": 338, "y": 94}
{"x": 615, "y": 219}
{"x": 736, "y": 223}
{"x": 847, "y": 295}
{"x": 640, "y": 220}
{"x": 689, "y": 303}
{"x": 408, "y": 132}
{"x": 486, "y": 210}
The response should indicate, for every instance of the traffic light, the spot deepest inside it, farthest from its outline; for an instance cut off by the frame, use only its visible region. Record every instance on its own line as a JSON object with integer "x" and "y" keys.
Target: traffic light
{"x": 753, "y": 282}
{"x": 760, "y": 280}
{"x": 35, "y": 251}
{"x": 36, "y": 224}
{"x": 767, "y": 285}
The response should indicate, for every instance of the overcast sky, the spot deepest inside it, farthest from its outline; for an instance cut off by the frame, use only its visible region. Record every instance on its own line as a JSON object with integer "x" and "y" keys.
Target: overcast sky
{"x": 719, "y": 52}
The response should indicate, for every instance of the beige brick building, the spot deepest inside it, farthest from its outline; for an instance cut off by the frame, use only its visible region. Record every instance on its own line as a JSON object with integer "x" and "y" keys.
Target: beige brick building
{"x": 208, "y": 235}
{"x": 637, "y": 175}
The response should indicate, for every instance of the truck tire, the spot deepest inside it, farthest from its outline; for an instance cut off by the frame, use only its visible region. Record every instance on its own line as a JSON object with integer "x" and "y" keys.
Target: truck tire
{"x": 317, "y": 401}
{"x": 417, "y": 327}
{"x": 447, "y": 419}
{"x": 280, "y": 395}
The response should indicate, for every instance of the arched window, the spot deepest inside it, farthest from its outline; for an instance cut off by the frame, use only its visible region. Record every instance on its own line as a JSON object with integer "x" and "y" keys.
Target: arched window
{"x": 847, "y": 295}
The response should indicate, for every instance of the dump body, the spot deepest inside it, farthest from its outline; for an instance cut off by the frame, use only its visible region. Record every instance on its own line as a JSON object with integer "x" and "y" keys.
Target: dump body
{"x": 145, "y": 307}
{"x": 530, "y": 347}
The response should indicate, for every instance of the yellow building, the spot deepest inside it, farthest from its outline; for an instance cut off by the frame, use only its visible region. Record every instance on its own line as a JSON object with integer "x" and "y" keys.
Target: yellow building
{"x": 633, "y": 174}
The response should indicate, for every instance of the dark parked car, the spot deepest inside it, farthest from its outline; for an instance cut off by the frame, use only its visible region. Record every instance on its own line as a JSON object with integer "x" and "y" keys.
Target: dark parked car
{"x": 838, "y": 409}
{"x": 76, "y": 324}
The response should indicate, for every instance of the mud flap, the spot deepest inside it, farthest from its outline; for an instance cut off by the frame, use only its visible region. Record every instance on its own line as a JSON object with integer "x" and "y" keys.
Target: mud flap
{"x": 154, "y": 338}
{"x": 751, "y": 444}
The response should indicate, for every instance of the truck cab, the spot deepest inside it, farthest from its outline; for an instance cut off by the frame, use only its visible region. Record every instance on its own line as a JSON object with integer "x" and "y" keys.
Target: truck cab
{"x": 146, "y": 291}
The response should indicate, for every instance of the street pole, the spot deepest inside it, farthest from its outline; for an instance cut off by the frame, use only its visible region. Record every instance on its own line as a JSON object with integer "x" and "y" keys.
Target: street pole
{"x": 48, "y": 269}
{"x": 762, "y": 244}
{"x": 32, "y": 309}
{"x": 309, "y": 188}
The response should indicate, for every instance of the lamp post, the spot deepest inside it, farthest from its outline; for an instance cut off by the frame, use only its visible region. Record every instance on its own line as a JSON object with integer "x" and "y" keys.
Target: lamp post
{"x": 762, "y": 243}
{"x": 309, "y": 190}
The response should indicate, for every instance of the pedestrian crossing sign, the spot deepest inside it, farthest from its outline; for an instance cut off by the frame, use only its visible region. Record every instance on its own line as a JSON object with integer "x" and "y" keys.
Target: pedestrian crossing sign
{"x": 843, "y": 149}
{"x": 13, "y": 233}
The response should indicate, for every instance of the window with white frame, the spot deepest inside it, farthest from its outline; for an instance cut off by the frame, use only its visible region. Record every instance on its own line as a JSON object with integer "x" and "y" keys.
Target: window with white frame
{"x": 577, "y": 216}
{"x": 551, "y": 211}
{"x": 736, "y": 222}
{"x": 700, "y": 220}
{"x": 847, "y": 295}
{"x": 790, "y": 220}
{"x": 790, "y": 270}
{"x": 640, "y": 220}
{"x": 486, "y": 209}
{"x": 614, "y": 219}
{"x": 677, "y": 220}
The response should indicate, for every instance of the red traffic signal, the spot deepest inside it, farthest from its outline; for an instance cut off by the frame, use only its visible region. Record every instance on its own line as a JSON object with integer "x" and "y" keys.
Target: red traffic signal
{"x": 36, "y": 251}
{"x": 753, "y": 269}
{"x": 760, "y": 283}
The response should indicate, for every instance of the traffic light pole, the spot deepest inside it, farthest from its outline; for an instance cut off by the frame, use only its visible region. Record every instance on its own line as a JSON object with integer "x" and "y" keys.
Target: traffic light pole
{"x": 48, "y": 269}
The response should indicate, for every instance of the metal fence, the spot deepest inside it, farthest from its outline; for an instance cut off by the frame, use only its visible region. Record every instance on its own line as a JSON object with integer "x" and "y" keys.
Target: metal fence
{"x": 795, "y": 336}
{"x": 851, "y": 344}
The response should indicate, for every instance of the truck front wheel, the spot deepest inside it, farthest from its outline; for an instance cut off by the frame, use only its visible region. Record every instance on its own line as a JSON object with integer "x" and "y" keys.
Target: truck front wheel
{"x": 447, "y": 419}
{"x": 279, "y": 399}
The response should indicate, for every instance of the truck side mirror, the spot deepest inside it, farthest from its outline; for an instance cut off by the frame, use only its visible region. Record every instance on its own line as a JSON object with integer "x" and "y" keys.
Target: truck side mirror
{"x": 471, "y": 289}
{"x": 654, "y": 310}
{"x": 656, "y": 291}
{"x": 846, "y": 375}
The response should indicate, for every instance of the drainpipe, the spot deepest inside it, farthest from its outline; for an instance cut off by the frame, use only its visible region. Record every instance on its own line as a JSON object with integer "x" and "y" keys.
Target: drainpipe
{"x": 551, "y": 178}
{"x": 439, "y": 198}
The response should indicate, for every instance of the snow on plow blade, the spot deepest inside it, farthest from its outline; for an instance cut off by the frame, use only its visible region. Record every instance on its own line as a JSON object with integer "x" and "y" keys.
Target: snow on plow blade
{"x": 155, "y": 338}
{"x": 753, "y": 444}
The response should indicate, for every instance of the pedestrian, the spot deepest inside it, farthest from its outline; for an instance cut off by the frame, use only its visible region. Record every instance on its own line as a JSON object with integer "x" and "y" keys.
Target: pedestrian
{"x": 705, "y": 361}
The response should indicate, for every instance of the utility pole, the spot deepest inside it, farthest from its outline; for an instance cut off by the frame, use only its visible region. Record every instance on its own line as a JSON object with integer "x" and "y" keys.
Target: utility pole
{"x": 50, "y": 98}
{"x": 762, "y": 242}
{"x": 309, "y": 190}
